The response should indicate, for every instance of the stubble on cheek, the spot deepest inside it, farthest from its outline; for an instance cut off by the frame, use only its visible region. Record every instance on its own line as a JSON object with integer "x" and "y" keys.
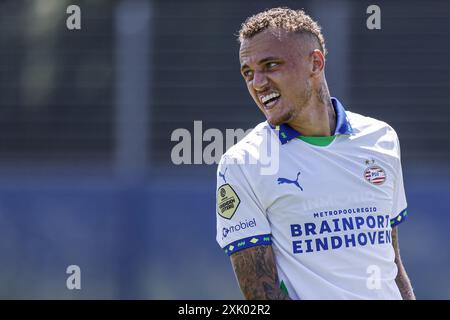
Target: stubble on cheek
{"x": 286, "y": 117}
{"x": 282, "y": 116}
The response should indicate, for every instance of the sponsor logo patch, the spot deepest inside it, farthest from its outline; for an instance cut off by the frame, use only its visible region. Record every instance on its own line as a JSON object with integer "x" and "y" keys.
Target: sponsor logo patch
{"x": 227, "y": 201}
{"x": 242, "y": 225}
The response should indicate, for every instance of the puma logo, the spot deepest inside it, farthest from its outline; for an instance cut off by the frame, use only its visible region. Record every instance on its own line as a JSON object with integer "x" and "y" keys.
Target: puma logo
{"x": 222, "y": 175}
{"x": 295, "y": 182}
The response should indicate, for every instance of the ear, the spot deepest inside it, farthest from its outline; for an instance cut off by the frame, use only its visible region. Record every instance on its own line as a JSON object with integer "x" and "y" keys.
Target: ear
{"x": 318, "y": 61}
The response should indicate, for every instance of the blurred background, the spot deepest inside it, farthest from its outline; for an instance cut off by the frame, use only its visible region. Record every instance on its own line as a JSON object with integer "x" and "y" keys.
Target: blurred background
{"x": 86, "y": 118}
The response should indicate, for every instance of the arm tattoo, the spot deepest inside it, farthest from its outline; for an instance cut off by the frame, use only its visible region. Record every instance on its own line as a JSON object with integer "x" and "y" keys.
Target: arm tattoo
{"x": 402, "y": 280}
{"x": 256, "y": 272}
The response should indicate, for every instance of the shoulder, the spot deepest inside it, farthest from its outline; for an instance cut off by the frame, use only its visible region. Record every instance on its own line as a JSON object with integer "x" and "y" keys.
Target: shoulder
{"x": 363, "y": 125}
{"x": 373, "y": 131}
{"x": 250, "y": 148}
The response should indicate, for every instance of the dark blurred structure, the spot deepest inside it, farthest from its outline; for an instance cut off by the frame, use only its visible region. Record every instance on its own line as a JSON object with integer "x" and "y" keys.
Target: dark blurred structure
{"x": 86, "y": 119}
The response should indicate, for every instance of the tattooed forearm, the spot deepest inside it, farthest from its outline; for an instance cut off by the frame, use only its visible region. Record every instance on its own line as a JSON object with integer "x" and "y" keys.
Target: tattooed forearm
{"x": 256, "y": 272}
{"x": 402, "y": 280}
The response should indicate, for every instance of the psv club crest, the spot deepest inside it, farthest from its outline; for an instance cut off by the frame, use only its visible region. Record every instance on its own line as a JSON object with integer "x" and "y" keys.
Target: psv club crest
{"x": 374, "y": 173}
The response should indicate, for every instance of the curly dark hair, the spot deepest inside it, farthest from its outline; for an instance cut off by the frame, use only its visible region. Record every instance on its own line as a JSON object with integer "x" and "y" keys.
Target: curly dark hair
{"x": 290, "y": 20}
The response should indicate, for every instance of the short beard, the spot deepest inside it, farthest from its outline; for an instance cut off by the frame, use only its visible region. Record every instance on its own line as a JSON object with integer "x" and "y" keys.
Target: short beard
{"x": 284, "y": 119}
{"x": 308, "y": 94}
{"x": 323, "y": 95}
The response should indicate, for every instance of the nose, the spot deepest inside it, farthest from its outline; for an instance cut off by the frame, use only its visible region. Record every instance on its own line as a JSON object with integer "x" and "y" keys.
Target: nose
{"x": 259, "y": 81}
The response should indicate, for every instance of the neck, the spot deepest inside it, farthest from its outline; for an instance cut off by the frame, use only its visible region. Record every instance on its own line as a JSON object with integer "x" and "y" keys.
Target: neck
{"x": 317, "y": 118}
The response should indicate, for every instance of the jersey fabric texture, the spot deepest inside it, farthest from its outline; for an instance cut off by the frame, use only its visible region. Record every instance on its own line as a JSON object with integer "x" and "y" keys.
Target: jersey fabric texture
{"x": 328, "y": 211}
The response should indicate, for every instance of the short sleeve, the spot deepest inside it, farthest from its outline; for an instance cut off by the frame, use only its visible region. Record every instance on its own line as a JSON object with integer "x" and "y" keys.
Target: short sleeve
{"x": 241, "y": 219}
{"x": 399, "y": 210}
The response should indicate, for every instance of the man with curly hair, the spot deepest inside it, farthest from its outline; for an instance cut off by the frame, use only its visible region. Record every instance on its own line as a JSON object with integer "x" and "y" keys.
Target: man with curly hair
{"x": 325, "y": 225}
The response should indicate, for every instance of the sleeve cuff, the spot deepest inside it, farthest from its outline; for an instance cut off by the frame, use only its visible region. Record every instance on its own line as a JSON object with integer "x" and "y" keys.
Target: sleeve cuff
{"x": 249, "y": 242}
{"x": 399, "y": 218}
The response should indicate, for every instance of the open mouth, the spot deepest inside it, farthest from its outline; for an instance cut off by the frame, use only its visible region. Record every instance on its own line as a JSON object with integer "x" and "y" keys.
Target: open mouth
{"x": 270, "y": 100}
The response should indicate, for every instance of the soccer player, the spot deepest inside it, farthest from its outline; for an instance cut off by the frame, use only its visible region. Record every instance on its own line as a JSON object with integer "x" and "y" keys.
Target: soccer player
{"x": 323, "y": 225}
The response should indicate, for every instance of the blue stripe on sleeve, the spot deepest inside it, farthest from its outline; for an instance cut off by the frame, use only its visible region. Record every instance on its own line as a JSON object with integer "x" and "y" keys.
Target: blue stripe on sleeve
{"x": 399, "y": 218}
{"x": 249, "y": 242}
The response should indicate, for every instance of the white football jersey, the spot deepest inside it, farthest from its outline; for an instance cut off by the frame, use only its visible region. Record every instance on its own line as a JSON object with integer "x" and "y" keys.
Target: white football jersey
{"x": 327, "y": 205}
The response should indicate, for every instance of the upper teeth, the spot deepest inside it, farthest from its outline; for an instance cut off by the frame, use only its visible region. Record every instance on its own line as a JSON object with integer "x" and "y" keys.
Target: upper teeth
{"x": 264, "y": 99}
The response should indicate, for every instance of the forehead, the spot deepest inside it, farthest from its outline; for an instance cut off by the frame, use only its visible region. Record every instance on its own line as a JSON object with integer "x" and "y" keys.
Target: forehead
{"x": 269, "y": 43}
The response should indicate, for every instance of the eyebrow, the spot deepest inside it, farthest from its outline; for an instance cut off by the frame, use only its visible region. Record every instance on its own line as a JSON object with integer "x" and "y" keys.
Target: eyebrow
{"x": 261, "y": 62}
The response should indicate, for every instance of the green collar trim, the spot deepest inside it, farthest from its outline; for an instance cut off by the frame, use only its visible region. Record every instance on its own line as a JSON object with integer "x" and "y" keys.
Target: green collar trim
{"x": 284, "y": 288}
{"x": 318, "y": 141}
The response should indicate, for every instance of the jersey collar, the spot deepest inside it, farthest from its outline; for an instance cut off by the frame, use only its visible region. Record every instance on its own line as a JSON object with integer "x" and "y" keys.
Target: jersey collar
{"x": 287, "y": 133}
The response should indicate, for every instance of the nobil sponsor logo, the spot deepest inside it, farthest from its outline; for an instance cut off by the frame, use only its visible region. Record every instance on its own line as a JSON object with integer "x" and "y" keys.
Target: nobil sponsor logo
{"x": 240, "y": 226}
